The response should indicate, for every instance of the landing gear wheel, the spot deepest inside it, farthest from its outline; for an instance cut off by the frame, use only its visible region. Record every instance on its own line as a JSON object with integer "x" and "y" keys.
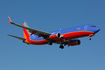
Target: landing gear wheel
{"x": 61, "y": 46}
{"x": 50, "y": 43}
{"x": 89, "y": 38}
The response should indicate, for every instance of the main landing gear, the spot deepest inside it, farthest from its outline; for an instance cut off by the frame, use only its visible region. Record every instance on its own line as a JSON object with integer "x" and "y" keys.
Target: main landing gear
{"x": 61, "y": 46}
{"x": 50, "y": 43}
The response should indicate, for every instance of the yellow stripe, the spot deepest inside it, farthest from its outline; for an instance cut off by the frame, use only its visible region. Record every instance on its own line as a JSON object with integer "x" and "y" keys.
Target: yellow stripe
{"x": 26, "y": 26}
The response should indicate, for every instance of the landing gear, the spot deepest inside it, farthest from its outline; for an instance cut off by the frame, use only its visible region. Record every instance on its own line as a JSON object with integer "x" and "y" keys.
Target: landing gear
{"x": 89, "y": 38}
{"x": 61, "y": 46}
{"x": 50, "y": 43}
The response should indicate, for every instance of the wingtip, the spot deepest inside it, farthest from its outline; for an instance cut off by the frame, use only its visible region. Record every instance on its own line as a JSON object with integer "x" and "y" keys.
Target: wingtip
{"x": 9, "y": 20}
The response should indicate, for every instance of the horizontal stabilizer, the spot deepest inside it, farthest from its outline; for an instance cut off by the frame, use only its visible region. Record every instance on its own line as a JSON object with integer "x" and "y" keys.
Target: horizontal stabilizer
{"x": 17, "y": 37}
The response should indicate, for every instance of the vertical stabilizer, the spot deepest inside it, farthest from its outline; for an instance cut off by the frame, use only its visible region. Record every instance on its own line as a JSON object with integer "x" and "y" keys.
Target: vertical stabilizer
{"x": 26, "y": 33}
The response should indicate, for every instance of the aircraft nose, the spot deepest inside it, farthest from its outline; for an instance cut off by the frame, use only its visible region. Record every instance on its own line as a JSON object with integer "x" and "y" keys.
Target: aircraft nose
{"x": 97, "y": 30}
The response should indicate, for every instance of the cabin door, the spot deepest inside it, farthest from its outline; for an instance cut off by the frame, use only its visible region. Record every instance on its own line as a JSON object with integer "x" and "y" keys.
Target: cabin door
{"x": 85, "y": 28}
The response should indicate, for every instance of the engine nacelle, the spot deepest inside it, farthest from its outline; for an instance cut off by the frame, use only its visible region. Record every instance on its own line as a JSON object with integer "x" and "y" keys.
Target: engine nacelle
{"x": 74, "y": 43}
{"x": 58, "y": 35}
{"x": 53, "y": 37}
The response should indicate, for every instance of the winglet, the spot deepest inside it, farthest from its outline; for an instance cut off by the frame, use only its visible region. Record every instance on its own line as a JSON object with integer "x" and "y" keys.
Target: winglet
{"x": 9, "y": 20}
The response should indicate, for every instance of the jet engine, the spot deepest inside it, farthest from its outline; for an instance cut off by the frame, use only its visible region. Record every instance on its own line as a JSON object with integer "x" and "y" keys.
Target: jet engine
{"x": 58, "y": 35}
{"x": 74, "y": 42}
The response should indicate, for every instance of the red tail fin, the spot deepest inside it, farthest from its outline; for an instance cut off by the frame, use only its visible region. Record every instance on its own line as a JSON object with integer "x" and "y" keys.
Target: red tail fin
{"x": 26, "y": 32}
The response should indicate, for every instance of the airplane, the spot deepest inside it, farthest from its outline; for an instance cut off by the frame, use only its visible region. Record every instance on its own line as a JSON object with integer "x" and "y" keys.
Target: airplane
{"x": 63, "y": 37}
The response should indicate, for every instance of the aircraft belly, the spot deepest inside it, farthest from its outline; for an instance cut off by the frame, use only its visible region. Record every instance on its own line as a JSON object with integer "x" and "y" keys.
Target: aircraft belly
{"x": 41, "y": 42}
{"x": 73, "y": 35}
{"x": 85, "y": 33}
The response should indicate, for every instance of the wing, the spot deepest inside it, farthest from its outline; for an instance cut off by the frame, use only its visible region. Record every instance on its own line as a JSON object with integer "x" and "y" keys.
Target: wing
{"x": 31, "y": 30}
{"x": 17, "y": 37}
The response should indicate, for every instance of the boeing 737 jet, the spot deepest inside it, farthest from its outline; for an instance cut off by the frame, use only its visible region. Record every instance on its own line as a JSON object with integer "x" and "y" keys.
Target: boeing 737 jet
{"x": 63, "y": 37}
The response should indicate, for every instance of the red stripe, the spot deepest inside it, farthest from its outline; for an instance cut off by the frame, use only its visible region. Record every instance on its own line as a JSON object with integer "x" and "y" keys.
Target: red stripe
{"x": 26, "y": 33}
{"x": 67, "y": 36}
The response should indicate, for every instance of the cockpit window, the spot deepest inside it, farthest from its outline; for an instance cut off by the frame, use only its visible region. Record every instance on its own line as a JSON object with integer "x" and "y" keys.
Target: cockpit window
{"x": 92, "y": 26}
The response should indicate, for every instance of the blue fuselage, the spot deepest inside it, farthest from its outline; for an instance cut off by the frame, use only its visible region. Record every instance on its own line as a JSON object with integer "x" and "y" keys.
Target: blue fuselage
{"x": 90, "y": 28}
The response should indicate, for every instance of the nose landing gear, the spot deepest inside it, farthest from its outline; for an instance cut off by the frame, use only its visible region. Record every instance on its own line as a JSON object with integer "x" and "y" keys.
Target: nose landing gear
{"x": 89, "y": 38}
